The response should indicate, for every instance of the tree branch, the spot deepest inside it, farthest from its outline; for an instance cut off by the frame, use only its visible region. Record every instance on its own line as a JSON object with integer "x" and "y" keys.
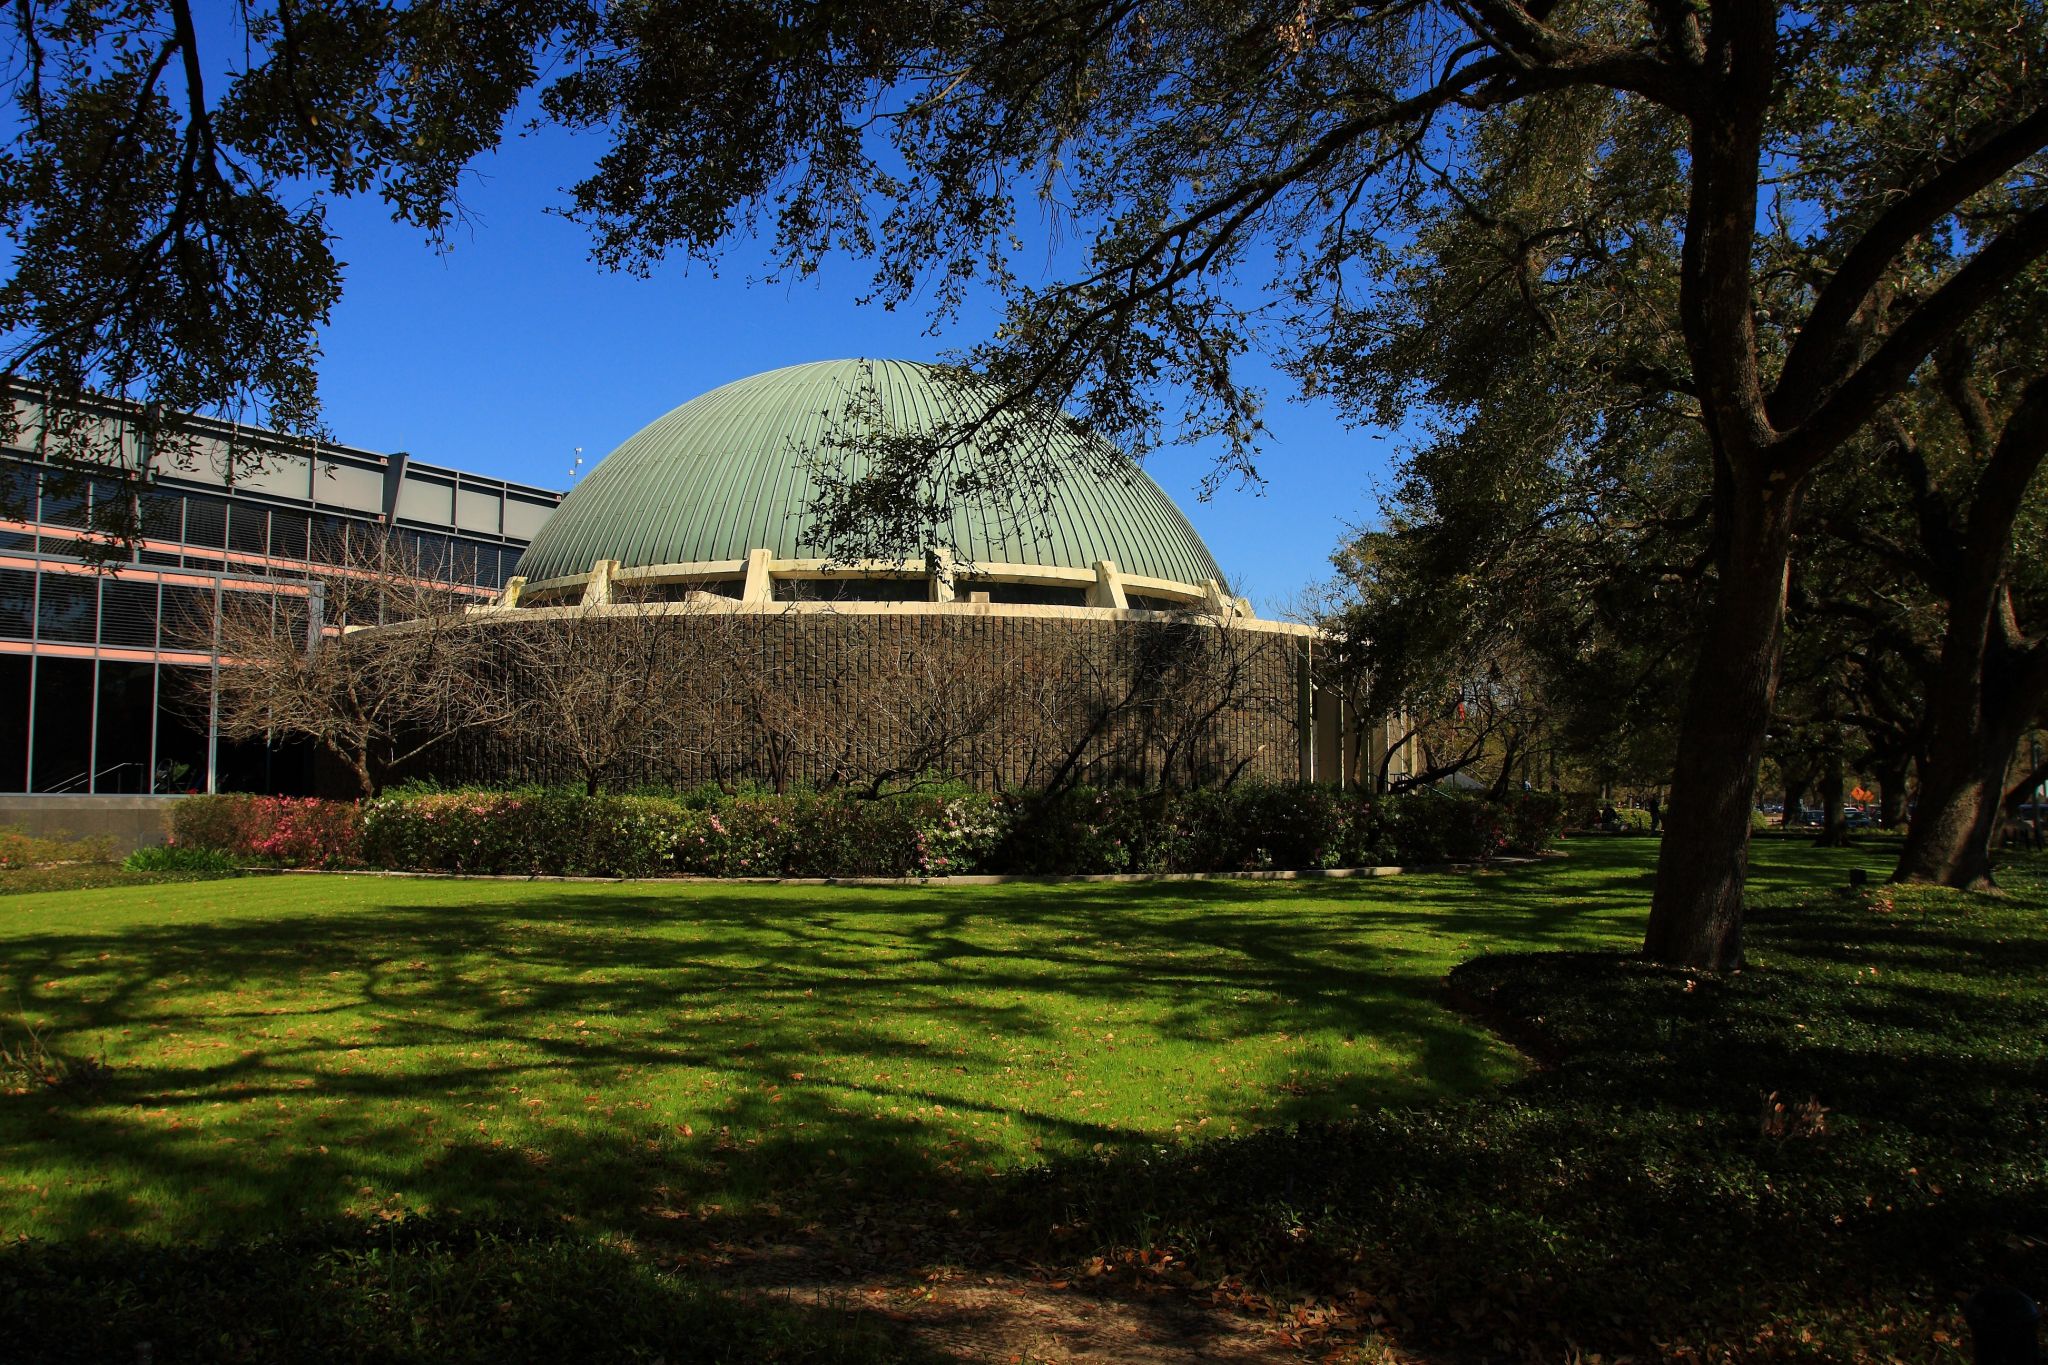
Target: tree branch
{"x": 1821, "y": 351}
{"x": 1978, "y": 284}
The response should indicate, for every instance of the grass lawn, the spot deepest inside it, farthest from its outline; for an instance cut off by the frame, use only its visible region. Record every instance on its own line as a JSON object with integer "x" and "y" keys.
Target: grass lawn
{"x": 505, "y": 1084}
{"x": 284, "y": 1047}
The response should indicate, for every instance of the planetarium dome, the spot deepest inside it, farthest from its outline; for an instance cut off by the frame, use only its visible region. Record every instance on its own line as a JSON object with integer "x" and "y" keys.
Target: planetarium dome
{"x": 719, "y": 496}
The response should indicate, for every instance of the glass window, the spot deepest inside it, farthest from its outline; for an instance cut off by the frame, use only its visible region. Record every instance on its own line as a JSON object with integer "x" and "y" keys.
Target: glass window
{"x": 852, "y": 589}
{"x": 128, "y": 613}
{"x": 14, "y": 671}
{"x": 206, "y": 522}
{"x": 329, "y": 539}
{"x": 17, "y": 603}
{"x": 288, "y": 535}
{"x": 64, "y": 500}
{"x": 248, "y": 528}
{"x": 113, "y": 509}
{"x": 163, "y": 514}
{"x": 121, "y": 762}
{"x": 17, "y": 491}
{"x": 181, "y": 730}
{"x": 69, "y": 608}
{"x": 63, "y": 724}
{"x": 187, "y": 616}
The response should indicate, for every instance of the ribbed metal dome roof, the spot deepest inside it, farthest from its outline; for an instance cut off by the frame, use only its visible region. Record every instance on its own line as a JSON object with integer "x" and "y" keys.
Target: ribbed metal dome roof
{"x": 727, "y": 472}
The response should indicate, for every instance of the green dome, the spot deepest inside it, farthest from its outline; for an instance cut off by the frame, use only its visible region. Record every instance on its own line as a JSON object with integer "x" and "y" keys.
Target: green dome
{"x": 726, "y": 473}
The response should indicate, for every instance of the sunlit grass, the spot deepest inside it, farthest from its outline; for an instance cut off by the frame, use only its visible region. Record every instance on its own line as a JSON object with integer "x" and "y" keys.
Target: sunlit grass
{"x": 624, "y": 1056}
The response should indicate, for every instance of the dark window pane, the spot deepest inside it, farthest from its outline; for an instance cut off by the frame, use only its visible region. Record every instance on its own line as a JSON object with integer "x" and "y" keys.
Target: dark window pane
{"x": 206, "y": 522}
{"x": 17, "y": 603}
{"x": 163, "y": 514}
{"x": 462, "y": 561}
{"x": 187, "y": 616}
{"x": 128, "y": 613}
{"x": 17, "y": 491}
{"x": 181, "y": 730}
{"x": 113, "y": 510}
{"x": 14, "y": 669}
{"x": 121, "y": 763}
{"x": 331, "y": 537}
{"x": 63, "y": 724}
{"x": 248, "y": 528}
{"x": 63, "y": 499}
{"x": 67, "y": 612}
{"x": 288, "y": 535}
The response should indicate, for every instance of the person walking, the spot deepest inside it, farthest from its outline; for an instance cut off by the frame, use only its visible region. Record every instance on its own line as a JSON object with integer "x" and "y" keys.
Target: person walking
{"x": 1656, "y": 814}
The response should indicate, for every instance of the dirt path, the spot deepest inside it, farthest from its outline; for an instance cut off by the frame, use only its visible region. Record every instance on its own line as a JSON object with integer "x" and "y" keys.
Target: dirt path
{"x": 1004, "y": 1320}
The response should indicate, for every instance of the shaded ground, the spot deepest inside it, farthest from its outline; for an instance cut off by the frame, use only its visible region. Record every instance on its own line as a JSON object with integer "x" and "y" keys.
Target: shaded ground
{"x": 1815, "y": 1161}
{"x": 638, "y": 1057}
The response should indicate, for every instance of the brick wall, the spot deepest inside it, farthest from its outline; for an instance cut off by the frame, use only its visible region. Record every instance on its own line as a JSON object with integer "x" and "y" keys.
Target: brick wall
{"x": 827, "y": 700}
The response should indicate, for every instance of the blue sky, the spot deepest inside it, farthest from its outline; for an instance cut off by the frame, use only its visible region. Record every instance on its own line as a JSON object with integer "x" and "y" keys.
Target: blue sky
{"x": 512, "y": 349}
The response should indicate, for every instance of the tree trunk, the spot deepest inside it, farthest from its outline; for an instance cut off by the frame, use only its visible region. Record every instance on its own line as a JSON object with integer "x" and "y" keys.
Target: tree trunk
{"x": 1795, "y": 803}
{"x": 1834, "y": 822}
{"x": 1891, "y": 792}
{"x": 1992, "y": 681}
{"x": 1978, "y": 718}
{"x": 1696, "y": 913}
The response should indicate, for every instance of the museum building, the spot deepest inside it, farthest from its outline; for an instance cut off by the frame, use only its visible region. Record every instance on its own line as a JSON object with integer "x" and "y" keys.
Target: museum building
{"x": 710, "y": 518}
{"x": 105, "y": 661}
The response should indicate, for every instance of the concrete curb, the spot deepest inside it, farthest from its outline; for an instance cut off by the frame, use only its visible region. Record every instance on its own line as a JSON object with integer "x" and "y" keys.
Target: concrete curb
{"x": 1303, "y": 874}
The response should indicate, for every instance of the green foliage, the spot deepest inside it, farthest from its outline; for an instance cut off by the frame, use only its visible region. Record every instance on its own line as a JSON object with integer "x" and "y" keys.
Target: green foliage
{"x": 283, "y": 831}
{"x": 1250, "y": 827}
{"x": 815, "y": 1050}
{"x": 180, "y": 858}
{"x": 1815, "y": 1159}
{"x": 30, "y": 1064}
{"x": 540, "y": 832}
{"x": 417, "y": 1290}
{"x": 19, "y": 849}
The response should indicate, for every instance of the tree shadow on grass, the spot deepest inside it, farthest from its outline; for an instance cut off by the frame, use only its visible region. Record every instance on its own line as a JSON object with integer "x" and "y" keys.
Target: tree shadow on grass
{"x": 409, "y": 1291}
{"x": 541, "y": 1053}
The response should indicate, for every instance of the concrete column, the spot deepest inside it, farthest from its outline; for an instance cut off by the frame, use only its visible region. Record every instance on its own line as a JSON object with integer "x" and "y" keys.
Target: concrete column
{"x": 759, "y": 587}
{"x": 1108, "y": 588}
{"x": 1329, "y": 754}
{"x": 597, "y": 589}
{"x": 1304, "y": 708}
{"x": 939, "y": 567}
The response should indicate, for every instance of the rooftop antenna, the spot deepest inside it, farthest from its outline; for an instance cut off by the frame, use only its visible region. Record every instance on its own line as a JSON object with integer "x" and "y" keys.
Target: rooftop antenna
{"x": 576, "y": 467}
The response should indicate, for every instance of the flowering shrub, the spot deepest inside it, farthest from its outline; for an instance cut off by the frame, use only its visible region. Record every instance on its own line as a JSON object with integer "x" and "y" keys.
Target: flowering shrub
{"x": 303, "y": 831}
{"x": 291, "y": 831}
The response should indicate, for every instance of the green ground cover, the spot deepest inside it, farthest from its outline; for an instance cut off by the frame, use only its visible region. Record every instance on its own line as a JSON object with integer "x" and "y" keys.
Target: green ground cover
{"x": 284, "y": 1047}
{"x": 446, "y": 1097}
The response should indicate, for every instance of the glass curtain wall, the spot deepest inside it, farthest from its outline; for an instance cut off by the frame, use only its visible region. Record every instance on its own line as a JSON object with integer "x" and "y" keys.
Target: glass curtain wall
{"x": 105, "y": 667}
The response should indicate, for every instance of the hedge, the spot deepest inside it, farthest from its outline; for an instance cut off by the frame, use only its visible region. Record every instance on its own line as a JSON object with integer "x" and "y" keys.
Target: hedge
{"x": 1245, "y": 828}
{"x": 286, "y": 831}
